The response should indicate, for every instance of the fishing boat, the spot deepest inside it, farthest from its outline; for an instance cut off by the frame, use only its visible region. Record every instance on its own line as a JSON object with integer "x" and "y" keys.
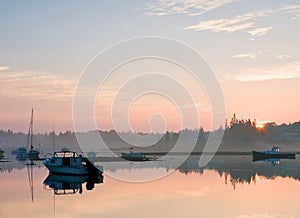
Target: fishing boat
{"x": 273, "y": 153}
{"x": 70, "y": 163}
{"x": 134, "y": 156}
{"x": 32, "y": 154}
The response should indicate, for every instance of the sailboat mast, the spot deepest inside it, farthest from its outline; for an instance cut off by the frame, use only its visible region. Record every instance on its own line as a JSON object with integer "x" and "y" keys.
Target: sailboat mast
{"x": 31, "y": 129}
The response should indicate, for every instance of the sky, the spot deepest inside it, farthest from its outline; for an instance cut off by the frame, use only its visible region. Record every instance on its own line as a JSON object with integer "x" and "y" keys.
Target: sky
{"x": 251, "y": 45}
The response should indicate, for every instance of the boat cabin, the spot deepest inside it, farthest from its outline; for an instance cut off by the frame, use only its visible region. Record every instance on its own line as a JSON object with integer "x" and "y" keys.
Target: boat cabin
{"x": 275, "y": 149}
{"x": 66, "y": 158}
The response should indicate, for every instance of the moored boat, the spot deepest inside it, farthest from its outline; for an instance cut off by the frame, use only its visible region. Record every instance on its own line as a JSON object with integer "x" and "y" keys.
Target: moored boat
{"x": 273, "y": 153}
{"x": 134, "y": 156}
{"x": 69, "y": 163}
{"x": 19, "y": 150}
{"x": 1, "y": 153}
{"x": 33, "y": 154}
{"x": 21, "y": 153}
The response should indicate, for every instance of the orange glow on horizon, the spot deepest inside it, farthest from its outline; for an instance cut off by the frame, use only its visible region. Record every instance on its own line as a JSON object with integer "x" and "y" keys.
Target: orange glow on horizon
{"x": 260, "y": 125}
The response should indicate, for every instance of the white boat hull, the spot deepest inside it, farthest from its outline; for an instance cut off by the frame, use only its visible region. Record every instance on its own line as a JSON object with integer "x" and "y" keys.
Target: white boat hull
{"x": 70, "y": 163}
{"x": 67, "y": 170}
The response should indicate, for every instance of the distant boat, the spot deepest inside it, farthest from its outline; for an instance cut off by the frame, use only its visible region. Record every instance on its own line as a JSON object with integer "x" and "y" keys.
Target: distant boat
{"x": 19, "y": 150}
{"x": 32, "y": 154}
{"x": 1, "y": 153}
{"x": 273, "y": 153}
{"x": 70, "y": 163}
{"x": 134, "y": 156}
{"x": 21, "y": 153}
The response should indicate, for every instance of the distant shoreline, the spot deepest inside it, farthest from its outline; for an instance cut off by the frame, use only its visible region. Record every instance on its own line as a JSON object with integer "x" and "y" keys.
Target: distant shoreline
{"x": 200, "y": 153}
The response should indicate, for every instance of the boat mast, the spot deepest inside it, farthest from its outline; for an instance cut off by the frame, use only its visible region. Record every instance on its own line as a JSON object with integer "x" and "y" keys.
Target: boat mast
{"x": 31, "y": 132}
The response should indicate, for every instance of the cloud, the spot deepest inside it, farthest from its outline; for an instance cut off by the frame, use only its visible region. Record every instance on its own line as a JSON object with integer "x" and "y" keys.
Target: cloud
{"x": 246, "y": 55}
{"x": 187, "y": 7}
{"x": 242, "y": 22}
{"x": 287, "y": 71}
{"x": 283, "y": 56}
{"x": 259, "y": 31}
{"x": 258, "y": 54}
{"x": 227, "y": 25}
{"x": 3, "y": 68}
{"x": 198, "y": 7}
{"x": 35, "y": 85}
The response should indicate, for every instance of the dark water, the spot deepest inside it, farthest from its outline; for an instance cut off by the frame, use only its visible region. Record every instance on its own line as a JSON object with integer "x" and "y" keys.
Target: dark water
{"x": 229, "y": 186}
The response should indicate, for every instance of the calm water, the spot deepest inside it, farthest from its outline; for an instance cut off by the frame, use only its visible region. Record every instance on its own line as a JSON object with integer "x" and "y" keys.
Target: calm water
{"x": 230, "y": 186}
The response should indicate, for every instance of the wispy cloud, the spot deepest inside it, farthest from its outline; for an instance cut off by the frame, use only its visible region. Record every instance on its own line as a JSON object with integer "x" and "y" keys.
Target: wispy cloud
{"x": 242, "y": 22}
{"x": 259, "y": 31}
{"x": 246, "y": 55}
{"x": 246, "y": 21}
{"x": 287, "y": 71}
{"x": 258, "y": 54}
{"x": 3, "y": 68}
{"x": 283, "y": 56}
{"x": 226, "y": 25}
{"x": 187, "y": 7}
{"x": 35, "y": 85}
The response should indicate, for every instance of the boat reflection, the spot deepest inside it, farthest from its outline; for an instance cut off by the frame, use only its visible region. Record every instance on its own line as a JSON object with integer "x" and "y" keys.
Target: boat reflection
{"x": 66, "y": 184}
{"x": 274, "y": 161}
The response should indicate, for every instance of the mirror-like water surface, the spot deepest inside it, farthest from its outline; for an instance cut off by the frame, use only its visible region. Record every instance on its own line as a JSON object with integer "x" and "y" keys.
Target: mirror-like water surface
{"x": 230, "y": 186}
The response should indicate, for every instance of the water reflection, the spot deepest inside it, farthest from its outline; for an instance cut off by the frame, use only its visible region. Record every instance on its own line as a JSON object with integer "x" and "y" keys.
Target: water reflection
{"x": 30, "y": 177}
{"x": 184, "y": 193}
{"x": 64, "y": 184}
{"x": 274, "y": 161}
{"x": 238, "y": 169}
{"x": 242, "y": 170}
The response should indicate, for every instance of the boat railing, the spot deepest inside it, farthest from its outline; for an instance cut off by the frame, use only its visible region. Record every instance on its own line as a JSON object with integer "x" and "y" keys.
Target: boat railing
{"x": 66, "y": 154}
